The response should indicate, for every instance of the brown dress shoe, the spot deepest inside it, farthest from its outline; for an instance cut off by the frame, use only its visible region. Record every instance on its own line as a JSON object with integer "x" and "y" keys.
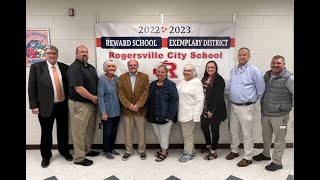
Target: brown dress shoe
{"x": 244, "y": 163}
{"x": 232, "y": 155}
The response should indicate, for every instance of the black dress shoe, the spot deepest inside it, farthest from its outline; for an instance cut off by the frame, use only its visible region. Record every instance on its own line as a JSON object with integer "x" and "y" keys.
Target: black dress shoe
{"x": 68, "y": 157}
{"x": 92, "y": 153}
{"x": 273, "y": 166}
{"x": 84, "y": 162}
{"x": 261, "y": 157}
{"x": 45, "y": 163}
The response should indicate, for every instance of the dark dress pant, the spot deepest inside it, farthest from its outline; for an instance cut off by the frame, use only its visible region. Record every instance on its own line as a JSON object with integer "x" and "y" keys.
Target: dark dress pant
{"x": 60, "y": 113}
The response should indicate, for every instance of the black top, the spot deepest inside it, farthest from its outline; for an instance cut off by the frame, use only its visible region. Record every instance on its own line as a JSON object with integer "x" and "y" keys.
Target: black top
{"x": 81, "y": 74}
{"x": 214, "y": 98}
{"x": 152, "y": 114}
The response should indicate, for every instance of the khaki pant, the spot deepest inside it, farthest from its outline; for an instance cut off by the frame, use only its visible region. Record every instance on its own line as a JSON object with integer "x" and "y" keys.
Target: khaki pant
{"x": 270, "y": 126}
{"x": 187, "y": 134}
{"x": 241, "y": 120}
{"x": 83, "y": 118}
{"x": 129, "y": 123}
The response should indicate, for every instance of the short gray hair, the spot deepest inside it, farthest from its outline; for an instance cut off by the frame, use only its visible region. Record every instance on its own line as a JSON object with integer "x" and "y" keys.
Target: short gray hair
{"x": 192, "y": 68}
{"x": 51, "y": 47}
{"x": 106, "y": 63}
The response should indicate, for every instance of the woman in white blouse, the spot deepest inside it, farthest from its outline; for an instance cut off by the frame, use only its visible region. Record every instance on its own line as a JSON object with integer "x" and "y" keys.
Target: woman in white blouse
{"x": 191, "y": 101}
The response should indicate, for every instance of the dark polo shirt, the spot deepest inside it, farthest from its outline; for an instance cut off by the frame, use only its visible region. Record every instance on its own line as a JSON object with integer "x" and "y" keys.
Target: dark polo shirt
{"x": 81, "y": 74}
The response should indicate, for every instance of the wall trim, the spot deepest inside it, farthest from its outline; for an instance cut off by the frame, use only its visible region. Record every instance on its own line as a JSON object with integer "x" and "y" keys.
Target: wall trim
{"x": 157, "y": 146}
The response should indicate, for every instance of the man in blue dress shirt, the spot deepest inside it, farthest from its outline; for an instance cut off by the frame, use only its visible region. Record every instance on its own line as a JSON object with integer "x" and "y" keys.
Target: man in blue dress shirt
{"x": 246, "y": 88}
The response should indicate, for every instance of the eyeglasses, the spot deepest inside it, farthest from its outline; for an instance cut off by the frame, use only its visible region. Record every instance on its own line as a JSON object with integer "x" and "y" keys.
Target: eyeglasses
{"x": 54, "y": 53}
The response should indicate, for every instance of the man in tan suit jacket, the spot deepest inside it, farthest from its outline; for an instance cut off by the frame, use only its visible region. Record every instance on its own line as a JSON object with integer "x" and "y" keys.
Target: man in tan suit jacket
{"x": 133, "y": 89}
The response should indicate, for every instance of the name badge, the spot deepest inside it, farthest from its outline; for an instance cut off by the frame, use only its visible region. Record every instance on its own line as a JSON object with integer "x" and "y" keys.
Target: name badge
{"x": 283, "y": 126}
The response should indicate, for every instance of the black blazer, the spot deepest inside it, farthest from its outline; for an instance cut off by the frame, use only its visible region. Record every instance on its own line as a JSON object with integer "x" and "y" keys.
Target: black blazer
{"x": 215, "y": 99}
{"x": 40, "y": 88}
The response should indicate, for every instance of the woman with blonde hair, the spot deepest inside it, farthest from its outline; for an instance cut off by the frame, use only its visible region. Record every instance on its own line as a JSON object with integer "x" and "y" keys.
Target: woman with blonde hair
{"x": 162, "y": 106}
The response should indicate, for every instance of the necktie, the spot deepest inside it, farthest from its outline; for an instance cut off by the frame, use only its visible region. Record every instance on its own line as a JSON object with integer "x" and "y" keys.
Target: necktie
{"x": 57, "y": 83}
{"x": 133, "y": 79}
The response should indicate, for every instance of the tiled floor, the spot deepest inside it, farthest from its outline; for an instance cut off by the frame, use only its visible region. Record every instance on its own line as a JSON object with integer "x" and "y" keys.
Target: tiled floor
{"x": 170, "y": 168}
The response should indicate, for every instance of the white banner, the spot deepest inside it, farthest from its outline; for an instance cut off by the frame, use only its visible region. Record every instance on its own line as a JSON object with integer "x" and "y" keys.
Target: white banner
{"x": 172, "y": 44}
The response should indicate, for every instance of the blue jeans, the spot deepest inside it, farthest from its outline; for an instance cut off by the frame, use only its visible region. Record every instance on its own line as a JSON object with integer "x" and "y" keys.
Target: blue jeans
{"x": 110, "y": 128}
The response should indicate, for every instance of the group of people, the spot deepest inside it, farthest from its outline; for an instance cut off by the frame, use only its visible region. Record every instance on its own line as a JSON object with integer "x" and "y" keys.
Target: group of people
{"x": 275, "y": 90}
{"x": 57, "y": 91}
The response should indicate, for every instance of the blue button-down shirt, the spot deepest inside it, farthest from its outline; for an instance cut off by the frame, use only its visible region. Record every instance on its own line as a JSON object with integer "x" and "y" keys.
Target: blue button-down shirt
{"x": 108, "y": 100}
{"x": 246, "y": 84}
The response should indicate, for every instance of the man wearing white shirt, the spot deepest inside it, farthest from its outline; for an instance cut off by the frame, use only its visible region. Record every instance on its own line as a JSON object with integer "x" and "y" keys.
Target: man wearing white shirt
{"x": 48, "y": 98}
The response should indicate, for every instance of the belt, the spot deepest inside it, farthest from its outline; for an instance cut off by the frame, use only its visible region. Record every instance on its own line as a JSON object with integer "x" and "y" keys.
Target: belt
{"x": 243, "y": 104}
{"x": 82, "y": 101}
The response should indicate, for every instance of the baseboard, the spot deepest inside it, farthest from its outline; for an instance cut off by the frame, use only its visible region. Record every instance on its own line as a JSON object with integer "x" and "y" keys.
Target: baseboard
{"x": 157, "y": 146}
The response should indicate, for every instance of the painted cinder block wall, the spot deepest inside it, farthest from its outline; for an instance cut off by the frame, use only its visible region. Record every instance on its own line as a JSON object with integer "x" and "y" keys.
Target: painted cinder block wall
{"x": 264, "y": 26}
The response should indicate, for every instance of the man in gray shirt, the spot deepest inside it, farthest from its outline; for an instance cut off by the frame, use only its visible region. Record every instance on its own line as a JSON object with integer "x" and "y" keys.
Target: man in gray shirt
{"x": 276, "y": 104}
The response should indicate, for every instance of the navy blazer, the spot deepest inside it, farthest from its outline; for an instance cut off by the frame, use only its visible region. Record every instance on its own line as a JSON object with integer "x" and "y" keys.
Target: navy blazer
{"x": 40, "y": 88}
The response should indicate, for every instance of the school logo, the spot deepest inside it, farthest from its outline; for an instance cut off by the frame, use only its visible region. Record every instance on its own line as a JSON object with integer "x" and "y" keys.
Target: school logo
{"x": 171, "y": 66}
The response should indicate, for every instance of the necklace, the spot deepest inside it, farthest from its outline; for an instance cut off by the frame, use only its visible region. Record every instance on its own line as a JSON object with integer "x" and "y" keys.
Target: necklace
{"x": 208, "y": 81}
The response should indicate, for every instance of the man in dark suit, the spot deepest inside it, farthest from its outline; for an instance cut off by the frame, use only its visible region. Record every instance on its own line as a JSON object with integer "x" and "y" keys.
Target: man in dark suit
{"x": 48, "y": 98}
